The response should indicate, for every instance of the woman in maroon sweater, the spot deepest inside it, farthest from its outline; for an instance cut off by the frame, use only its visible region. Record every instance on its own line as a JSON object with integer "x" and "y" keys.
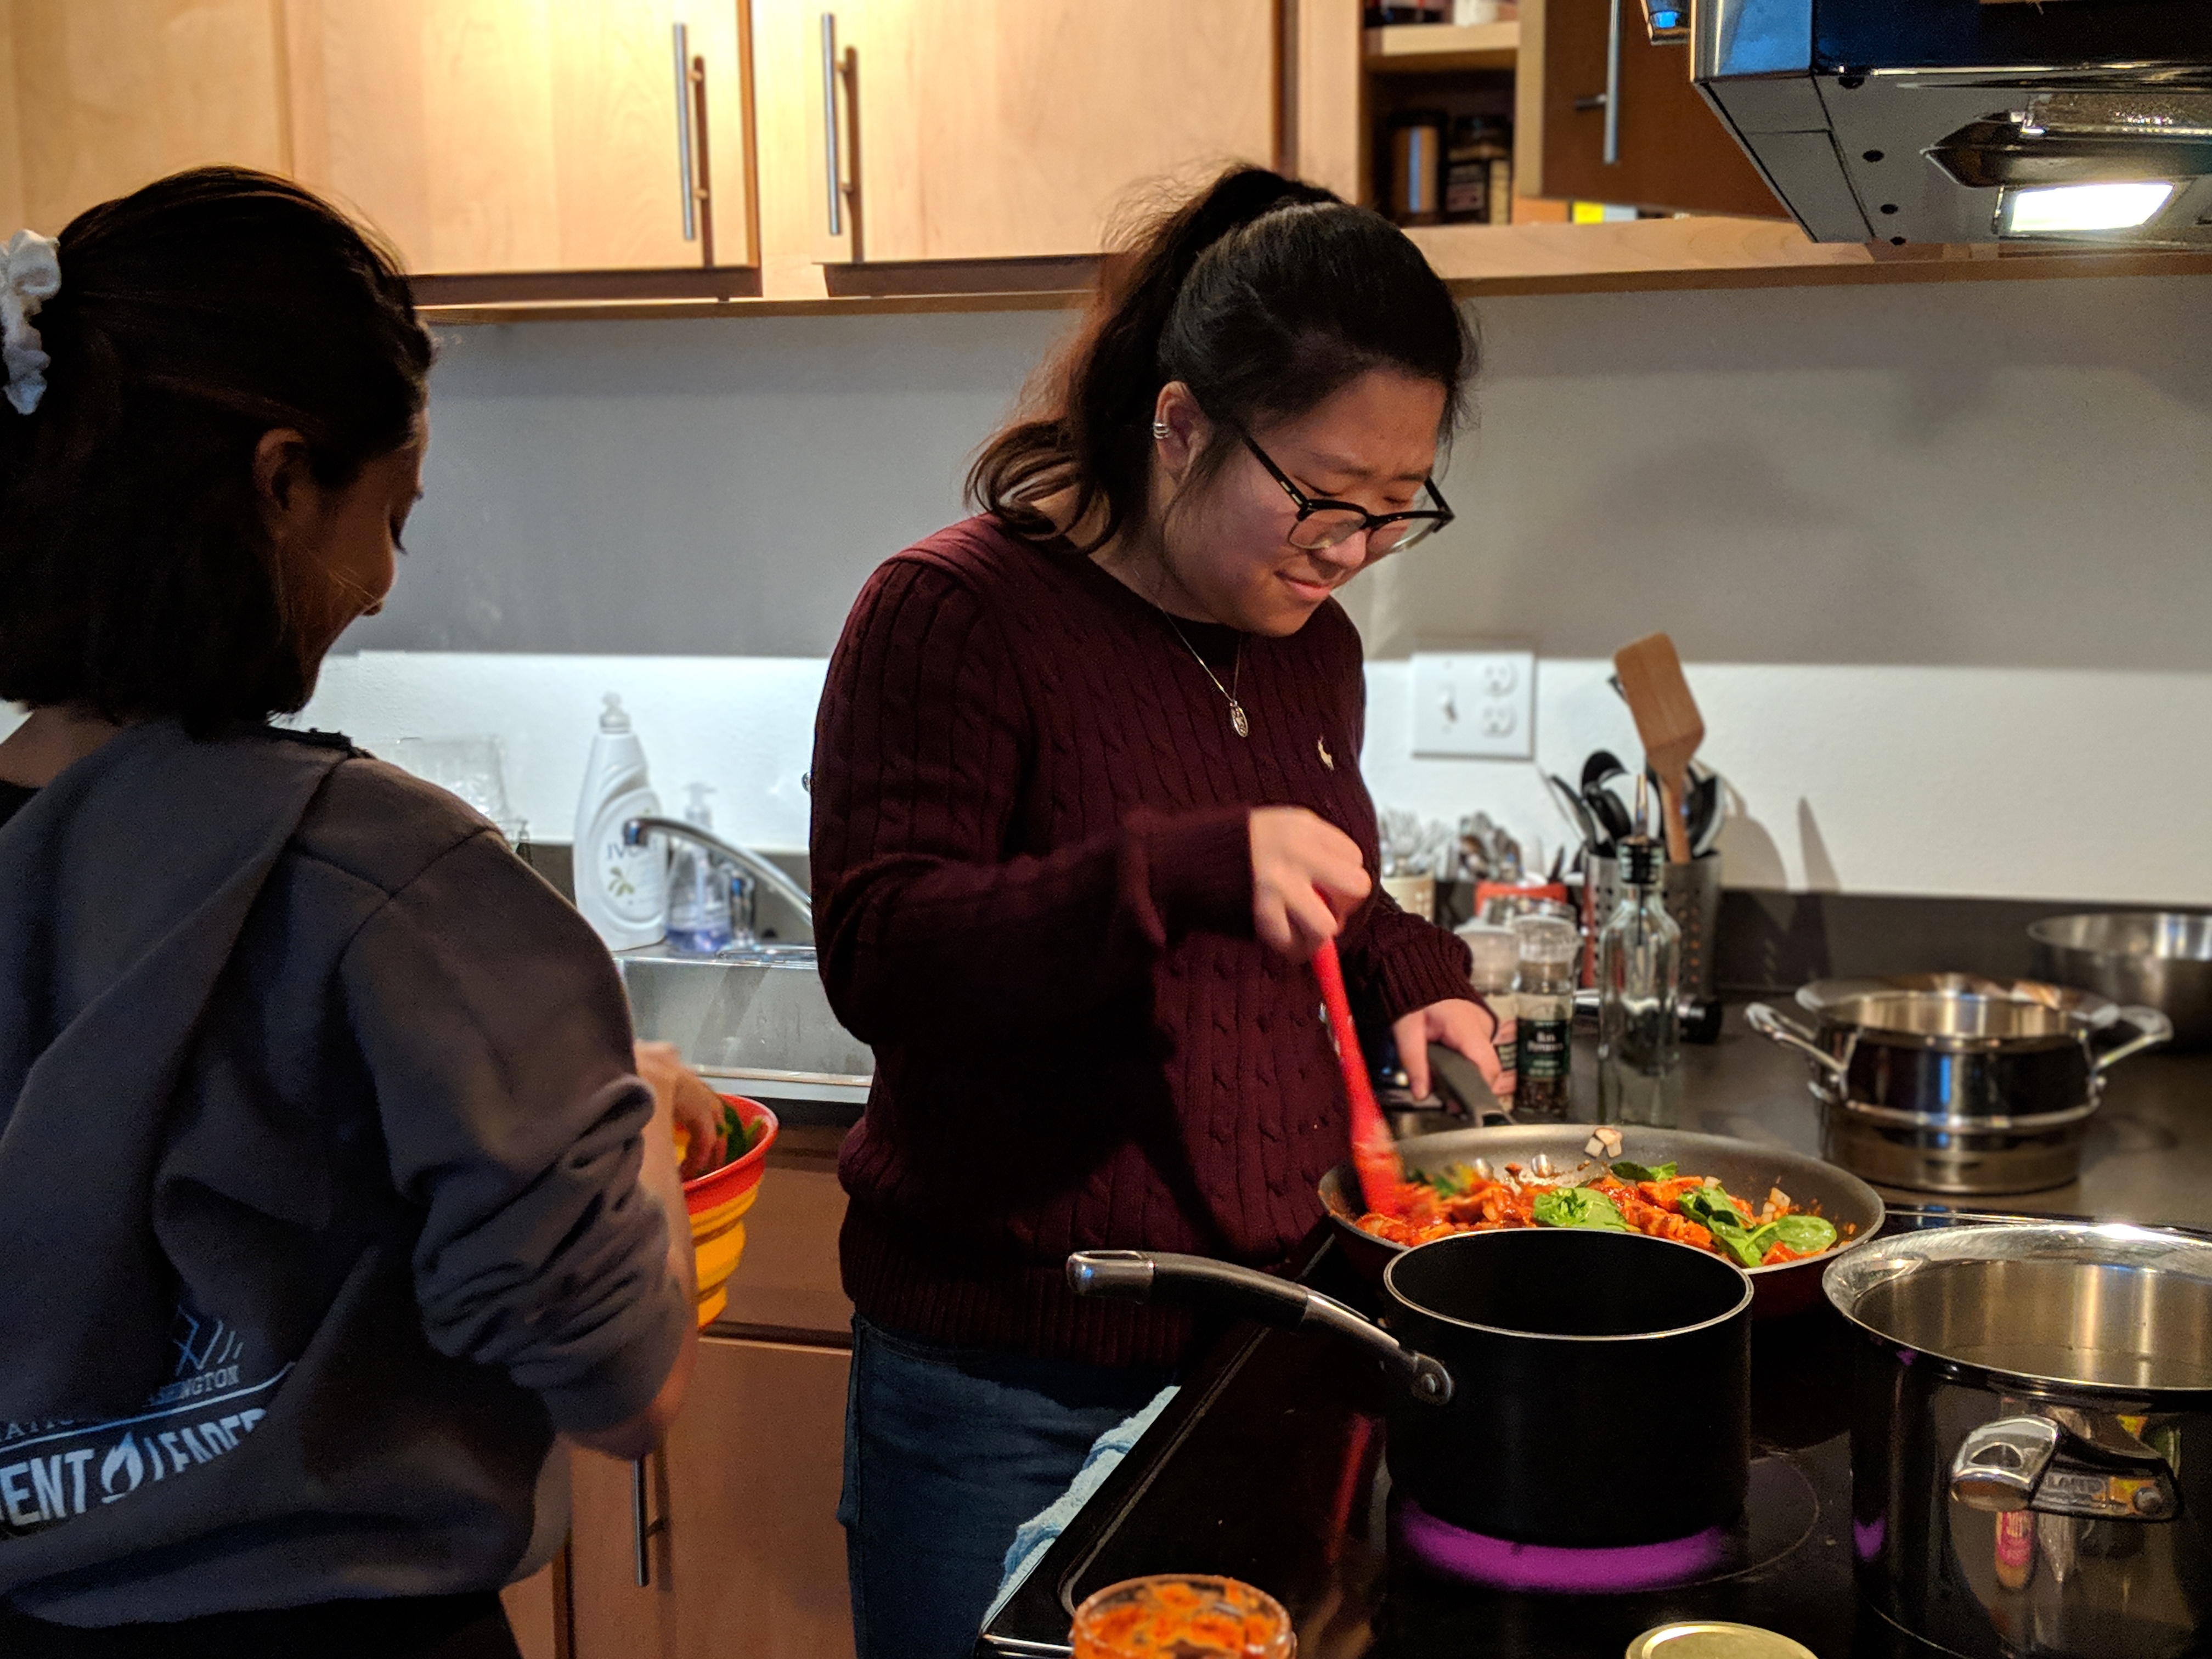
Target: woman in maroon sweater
{"x": 1086, "y": 797}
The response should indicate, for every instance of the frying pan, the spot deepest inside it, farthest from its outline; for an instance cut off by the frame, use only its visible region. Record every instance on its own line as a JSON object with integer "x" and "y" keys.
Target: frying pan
{"x": 1745, "y": 1170}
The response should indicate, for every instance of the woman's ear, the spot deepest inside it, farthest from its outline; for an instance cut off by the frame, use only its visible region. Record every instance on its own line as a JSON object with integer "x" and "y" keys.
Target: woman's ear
{"x": 285, "y": 489}
{"x": 1180, "y": 430}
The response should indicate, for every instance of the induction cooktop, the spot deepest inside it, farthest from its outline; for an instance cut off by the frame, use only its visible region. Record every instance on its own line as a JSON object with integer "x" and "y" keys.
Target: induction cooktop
{"x": 1269, "y": 1467}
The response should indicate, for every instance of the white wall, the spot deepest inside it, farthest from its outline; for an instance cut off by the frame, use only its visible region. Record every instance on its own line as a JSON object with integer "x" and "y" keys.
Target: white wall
{"x": 1935, "y": 555}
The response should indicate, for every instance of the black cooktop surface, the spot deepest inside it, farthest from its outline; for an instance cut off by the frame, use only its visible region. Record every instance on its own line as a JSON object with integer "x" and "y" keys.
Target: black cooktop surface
{"x": 1267, "y": 1466}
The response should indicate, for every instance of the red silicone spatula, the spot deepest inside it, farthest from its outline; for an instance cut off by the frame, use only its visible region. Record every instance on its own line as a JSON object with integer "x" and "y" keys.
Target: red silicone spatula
{"x": 1374, "y": 1153}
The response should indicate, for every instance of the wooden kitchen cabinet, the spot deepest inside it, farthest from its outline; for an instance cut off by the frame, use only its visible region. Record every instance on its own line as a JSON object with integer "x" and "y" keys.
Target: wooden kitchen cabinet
{"x": 750, "y": 1562}
{"x": 97, "y": 97}
{"x": 513, "y": 136}
{"x": 999, "y": 129}
{"x": 1673, "y": 152}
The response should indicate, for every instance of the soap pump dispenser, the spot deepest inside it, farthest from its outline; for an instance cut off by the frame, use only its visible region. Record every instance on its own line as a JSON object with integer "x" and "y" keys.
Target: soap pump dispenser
{"x": 699, "y": 922}
{"x": 622, "y": 891}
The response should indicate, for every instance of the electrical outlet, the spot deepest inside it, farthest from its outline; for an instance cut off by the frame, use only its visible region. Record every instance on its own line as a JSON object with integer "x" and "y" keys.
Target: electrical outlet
{"x": 1474, "y": 705}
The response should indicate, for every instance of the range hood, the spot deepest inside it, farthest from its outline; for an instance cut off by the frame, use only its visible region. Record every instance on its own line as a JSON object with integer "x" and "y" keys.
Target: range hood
{"x": 2087, "y": 122}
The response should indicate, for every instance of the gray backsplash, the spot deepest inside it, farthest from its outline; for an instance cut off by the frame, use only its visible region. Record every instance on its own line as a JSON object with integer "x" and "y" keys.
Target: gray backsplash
{"x": 1773, "y": 942}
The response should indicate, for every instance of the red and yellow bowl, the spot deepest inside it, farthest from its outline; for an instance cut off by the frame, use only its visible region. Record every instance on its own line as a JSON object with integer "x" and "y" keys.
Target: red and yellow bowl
{"x": 717, "y": 1201}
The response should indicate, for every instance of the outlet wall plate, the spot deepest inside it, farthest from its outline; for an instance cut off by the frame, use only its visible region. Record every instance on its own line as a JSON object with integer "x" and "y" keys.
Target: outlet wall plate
{"x": 1474, "y": 705}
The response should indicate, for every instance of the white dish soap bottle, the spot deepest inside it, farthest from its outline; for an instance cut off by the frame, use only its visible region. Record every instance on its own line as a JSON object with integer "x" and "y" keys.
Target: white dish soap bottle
{"x": 698, "y": 889}
{"x": 621, "y": 890}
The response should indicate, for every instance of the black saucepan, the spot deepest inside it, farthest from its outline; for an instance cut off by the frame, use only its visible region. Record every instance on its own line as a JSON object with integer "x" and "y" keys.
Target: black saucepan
{"x": 1520, "y": 1352}
{"x": 1745, "y": 1169}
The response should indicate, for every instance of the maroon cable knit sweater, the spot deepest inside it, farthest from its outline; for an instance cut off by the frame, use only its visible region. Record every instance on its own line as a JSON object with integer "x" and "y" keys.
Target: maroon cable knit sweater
{"x": 1033, "y": 882}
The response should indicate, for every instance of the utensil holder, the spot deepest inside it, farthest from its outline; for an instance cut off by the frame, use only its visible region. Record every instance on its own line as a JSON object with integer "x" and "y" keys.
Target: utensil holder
{"x": 1693, "y": 896}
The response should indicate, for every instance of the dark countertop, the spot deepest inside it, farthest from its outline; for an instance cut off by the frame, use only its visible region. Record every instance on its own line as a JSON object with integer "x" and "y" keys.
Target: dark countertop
{"x": 2148, "y": 1158}
{"x": 1266, "y": 1466}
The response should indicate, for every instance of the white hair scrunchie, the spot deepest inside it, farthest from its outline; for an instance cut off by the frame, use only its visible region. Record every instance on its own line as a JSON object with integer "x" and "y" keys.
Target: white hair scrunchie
{"x": 30, "y": 274}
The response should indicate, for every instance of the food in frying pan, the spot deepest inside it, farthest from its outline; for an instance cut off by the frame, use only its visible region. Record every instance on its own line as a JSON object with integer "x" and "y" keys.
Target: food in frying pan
{"x": 1617, "y": 1197}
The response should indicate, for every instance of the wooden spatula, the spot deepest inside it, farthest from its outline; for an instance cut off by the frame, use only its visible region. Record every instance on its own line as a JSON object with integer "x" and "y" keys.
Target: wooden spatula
{"x": 1667, "y": 721}
{"x": 1374, "y": 1153}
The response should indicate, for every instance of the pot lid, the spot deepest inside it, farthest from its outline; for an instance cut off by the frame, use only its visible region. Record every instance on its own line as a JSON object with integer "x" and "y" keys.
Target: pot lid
{"x": 1711, "y": 1638}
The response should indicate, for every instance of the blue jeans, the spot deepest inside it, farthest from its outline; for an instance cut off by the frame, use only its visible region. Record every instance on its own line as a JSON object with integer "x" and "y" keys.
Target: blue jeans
{"x": 947, "y": 1452}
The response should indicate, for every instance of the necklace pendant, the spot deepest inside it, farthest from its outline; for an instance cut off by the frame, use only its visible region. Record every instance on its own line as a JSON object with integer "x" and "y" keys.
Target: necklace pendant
{"x": 1237, "y": 719}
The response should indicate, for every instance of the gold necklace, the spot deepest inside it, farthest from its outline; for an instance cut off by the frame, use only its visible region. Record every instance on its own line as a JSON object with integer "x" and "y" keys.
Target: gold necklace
{"x": 1237, "y": 722}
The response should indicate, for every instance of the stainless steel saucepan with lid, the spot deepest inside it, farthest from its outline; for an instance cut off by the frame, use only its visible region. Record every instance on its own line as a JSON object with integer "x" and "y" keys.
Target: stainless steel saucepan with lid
{"x": 2031, "y": 1436}
{"x": 1951, "y": 1083}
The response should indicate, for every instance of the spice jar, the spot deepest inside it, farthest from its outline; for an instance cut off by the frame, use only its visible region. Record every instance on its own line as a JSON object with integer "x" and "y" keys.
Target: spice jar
{"x": 1494, "y": 963}
{"x": 1551, "y": 963}
{"x": 1417, "y": 167}
{"x": 1478, "y": 171}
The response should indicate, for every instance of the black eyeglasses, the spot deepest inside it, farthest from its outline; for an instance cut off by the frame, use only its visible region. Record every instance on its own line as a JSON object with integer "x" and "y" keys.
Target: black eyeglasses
{"x": 1323, "y": 524}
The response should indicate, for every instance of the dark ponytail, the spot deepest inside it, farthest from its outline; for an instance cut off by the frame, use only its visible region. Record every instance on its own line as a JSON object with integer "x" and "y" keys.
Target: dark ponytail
{"x": 194, "y": 316}
{"x": 1263, "y": 295}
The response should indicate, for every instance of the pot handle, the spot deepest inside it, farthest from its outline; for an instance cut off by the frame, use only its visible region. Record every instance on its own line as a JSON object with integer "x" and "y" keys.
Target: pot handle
{"x": 1791, "y": 1035}
{"x": 2032, "y": 1462}
{"x": 2152, "y": 1029}
{"x": 1142, "y": 1275}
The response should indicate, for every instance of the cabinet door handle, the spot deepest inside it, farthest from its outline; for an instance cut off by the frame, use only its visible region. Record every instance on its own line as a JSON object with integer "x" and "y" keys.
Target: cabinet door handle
{"x": 691, "y": 156}
{"x": 1613, "y": 83}
{"x": 1609, "y": 100}
{"x": 686, "y": 164}
{"x": 643, "y": 1532}
{"x": 833, "y": 173}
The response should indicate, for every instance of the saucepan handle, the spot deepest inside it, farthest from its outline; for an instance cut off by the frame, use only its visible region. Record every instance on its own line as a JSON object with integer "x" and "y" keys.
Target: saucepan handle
{"x": 2152, "y": 1028}
{"x": 1775, "y": 1029}
{"x": 1146, "y": 1276}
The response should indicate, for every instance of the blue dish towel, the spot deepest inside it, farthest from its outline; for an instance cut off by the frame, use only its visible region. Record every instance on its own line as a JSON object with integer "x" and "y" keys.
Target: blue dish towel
{"x": 1037, "y": 1534}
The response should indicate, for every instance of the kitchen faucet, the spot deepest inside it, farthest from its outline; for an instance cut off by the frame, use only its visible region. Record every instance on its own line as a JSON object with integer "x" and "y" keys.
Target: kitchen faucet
{"x": 634, "y": 831}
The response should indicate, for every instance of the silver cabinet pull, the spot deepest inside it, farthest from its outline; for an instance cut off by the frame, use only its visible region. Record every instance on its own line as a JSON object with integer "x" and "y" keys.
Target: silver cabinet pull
{"x": 1613, "y": 84}
{"x": 687, "y": 180}
{"x": 832, "y": 172}
{"x": 691, "y": 146}
{"x": 642, "y": 1532}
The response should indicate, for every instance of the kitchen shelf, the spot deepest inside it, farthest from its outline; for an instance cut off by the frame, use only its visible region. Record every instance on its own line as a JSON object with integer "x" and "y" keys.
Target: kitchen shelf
{"x": 1428, "y": 48}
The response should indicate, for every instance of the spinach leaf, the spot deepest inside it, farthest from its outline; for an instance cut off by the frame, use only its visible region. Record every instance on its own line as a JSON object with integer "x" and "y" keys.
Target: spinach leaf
{"x": 1628, "y": 1171}
{"x": 1577, "y": 1207}
{"x": 1807, "y": 1235}
{"x": 1709, "y": 1208}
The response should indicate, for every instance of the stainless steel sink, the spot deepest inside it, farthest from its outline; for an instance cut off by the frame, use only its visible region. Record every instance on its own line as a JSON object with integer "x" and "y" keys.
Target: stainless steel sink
{"x": 757, "y": 1019}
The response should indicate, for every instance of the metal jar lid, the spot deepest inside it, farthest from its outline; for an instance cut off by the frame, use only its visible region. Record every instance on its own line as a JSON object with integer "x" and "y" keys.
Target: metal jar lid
{"x": 1707, "y": 1638}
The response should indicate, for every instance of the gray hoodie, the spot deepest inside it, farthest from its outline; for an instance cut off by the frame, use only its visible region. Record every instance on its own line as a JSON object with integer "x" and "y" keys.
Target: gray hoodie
{"x": 319, "y": 1201}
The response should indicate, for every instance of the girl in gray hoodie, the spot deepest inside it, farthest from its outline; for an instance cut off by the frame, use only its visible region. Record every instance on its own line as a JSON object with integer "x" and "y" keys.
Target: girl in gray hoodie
{"x": 330, "y": 1192}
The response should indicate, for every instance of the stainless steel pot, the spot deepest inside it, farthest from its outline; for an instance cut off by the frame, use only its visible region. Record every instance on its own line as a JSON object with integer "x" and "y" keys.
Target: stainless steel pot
{"x": 2032, "y": 1438}
{"x": 2160, "y": 959}
{"x": 1949, "y": 1083}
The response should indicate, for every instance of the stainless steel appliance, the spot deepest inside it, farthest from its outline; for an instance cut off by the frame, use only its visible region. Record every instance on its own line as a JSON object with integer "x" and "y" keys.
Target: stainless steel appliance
{"x": 2032, "y": 1437}
{"x": 1949, "y": 1083}
{"x": 2160, "y": 959}
{"x": 1971, "y": 121}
